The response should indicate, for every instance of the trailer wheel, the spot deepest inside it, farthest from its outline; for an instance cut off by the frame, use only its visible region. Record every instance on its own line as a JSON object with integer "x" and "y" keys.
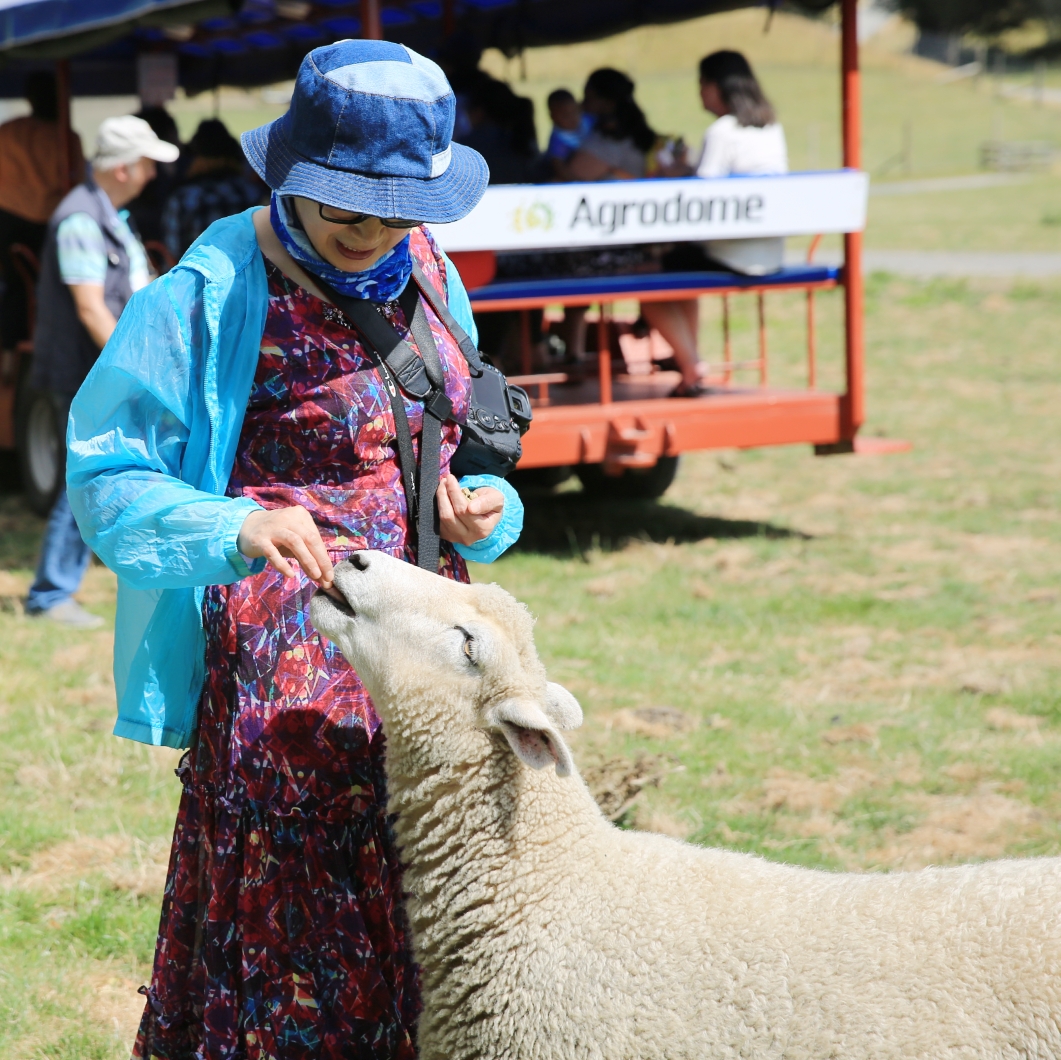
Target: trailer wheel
{"x": 40, "y": 443}
{"x": 539, "y": 478}
{"x": 644, "y": 484}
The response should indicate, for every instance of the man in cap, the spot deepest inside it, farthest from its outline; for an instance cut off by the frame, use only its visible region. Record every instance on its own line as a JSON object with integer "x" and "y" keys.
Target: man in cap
{"x": 91, "y": 264}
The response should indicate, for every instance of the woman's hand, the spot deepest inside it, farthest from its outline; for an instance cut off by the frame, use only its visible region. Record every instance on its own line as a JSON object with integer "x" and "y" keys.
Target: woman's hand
{"x": 466, "y": 520}
{"x": 287, "y": 532}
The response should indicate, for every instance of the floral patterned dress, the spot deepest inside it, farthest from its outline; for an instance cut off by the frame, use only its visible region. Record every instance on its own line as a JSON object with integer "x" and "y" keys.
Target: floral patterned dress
{"x": 283, "y": 934}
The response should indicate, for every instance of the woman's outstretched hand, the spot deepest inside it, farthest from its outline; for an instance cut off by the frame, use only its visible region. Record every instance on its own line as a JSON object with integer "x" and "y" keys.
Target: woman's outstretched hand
{"x": 465, "y": 520}
{"x": 291, "y": 533}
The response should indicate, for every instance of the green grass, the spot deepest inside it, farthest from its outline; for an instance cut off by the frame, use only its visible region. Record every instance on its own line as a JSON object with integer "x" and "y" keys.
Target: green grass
{"x": 877, "y": 636}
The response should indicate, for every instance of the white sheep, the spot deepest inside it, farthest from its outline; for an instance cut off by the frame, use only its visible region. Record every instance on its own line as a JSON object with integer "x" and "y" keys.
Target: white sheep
{"x": 545, "y": 932}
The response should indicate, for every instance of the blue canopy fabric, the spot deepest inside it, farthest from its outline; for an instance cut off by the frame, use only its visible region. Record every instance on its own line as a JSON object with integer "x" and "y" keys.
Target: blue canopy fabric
{"x": 258, "y": 42}
{"x": 25, "y": 22}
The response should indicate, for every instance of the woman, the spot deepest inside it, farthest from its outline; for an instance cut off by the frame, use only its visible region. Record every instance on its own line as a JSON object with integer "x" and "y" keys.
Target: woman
{"x": 616, "y": 148}
{"x": 235, "y": 441}
{"x": 618, "y": 145}
{"x": 745, "y": 139}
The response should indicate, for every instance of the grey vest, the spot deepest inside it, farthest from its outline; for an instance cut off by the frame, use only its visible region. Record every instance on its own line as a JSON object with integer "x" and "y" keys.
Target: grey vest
{"x": 63, "y": 351}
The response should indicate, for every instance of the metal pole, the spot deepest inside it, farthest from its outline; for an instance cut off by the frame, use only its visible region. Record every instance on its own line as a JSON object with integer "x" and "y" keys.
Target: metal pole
{"x": 853, "y": 408}
{"x": 525, "y": 349}
{"x": 371, "y": 26}
{"x": 604, "y": 358}
{"x": 727, "y": 346}
{"x": 812, "y": 343}
{"x": 62, "y": 88}
{"x": 762, "y": 340}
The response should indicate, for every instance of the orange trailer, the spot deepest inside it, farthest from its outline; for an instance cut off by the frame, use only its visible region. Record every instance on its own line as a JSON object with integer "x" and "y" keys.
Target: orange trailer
{"x": 621, "y": 434}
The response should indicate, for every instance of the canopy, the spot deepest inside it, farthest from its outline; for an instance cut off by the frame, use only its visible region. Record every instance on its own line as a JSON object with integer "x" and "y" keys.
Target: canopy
{"x": 258, "y": 42}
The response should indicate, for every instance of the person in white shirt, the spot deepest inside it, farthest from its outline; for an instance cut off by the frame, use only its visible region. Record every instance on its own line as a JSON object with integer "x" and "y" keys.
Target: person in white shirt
{"x": 745, "y": 139}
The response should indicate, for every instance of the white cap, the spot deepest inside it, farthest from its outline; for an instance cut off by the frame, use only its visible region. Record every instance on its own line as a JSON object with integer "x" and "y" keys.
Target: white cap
{"x": 121, "y": 141}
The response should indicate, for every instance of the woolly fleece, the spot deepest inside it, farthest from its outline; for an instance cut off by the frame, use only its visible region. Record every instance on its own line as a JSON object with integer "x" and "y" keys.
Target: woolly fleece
{"x": 545, "y": 933}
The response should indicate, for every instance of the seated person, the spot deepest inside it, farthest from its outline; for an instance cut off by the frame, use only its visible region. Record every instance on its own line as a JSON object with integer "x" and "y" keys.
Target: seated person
{"x": 616, "y": 148}
{"x": 744, "y": 140}
{"x": 618, "y": 145}
{"x": 502, "y": 131}
{"x": 570, "y": 128}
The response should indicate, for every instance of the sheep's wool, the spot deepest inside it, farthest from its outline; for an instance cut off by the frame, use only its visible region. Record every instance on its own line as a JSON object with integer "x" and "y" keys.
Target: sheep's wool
{"x": 545, "y": 933}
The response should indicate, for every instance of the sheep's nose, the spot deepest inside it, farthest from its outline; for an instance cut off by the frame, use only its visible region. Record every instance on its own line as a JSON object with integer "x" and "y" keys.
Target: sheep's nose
{"x": 359, "y": 560}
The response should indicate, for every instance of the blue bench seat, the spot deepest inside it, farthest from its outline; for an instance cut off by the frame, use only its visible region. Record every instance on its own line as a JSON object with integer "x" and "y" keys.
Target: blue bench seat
{"x": 643, "y": 283}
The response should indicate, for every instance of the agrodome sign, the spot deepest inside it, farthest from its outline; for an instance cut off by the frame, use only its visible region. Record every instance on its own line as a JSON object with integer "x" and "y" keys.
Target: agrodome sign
{"x": 540, "y": 216}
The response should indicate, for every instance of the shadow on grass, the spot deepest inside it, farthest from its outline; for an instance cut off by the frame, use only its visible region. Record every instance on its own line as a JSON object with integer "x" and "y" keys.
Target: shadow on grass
{"x": 569, "y": 524}
{"x": 558, "y": 524}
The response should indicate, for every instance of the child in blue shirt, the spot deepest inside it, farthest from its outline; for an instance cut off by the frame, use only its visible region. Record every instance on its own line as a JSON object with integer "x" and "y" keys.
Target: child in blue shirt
{"x": 570, "y": 127}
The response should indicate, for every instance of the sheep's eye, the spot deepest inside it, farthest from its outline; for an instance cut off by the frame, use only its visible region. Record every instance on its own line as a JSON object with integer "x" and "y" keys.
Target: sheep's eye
{"x": 469, "y": 647}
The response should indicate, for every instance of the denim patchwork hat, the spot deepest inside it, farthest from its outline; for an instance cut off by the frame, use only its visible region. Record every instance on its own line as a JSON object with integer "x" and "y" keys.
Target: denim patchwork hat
{"x": 369, "y": 129}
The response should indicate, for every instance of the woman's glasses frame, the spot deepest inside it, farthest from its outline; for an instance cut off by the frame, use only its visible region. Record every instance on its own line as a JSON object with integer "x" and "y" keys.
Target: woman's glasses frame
{"x": 360, "y": 218}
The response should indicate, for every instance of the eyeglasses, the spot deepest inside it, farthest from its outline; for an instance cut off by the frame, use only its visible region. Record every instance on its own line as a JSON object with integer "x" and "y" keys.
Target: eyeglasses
{"x": 345, "y": 217}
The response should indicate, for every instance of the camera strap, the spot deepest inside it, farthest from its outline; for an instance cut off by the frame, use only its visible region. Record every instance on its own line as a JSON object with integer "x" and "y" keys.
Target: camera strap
{"x": 421, "y": 377}
{"x": 438, "y": 304}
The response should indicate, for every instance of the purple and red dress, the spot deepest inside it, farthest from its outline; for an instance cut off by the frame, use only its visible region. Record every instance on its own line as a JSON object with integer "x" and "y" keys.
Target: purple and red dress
{"x": 283, "y": 934}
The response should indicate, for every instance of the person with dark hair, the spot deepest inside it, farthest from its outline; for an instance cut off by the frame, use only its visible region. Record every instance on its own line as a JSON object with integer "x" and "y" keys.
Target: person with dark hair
{"x": 215, "y": 187}
{"x": 32, "y": 183}
{"x": 728, "y": 86}
{"x": 238, "y": 437}
{"x": 571, "y": 125}
{"x": 744, "y": 140}
{"x": 146, "y": 208}
{"x": 459, "y": 56}
{"x": 502, "y": 131}
{"x": 618, "y": 146}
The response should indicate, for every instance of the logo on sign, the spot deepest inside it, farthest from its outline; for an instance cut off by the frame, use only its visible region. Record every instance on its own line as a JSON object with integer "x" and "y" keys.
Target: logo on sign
{"x": 537, "y": 217}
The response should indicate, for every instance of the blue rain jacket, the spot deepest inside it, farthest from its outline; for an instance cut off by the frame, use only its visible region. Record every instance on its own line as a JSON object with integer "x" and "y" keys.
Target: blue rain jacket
{"x": 151, "y": 443}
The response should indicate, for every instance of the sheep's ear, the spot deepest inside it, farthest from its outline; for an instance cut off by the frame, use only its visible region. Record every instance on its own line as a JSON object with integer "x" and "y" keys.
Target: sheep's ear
{"x": 532, "y": 736}
{"x": 562, "y": 707}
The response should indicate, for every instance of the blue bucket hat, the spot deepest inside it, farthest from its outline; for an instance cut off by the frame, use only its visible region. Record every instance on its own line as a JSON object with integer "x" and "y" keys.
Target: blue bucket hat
{"x": 369, "y": 129}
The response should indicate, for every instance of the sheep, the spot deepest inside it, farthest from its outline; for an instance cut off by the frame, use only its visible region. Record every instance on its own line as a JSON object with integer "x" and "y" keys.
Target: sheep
{"x": 546, "y": 933}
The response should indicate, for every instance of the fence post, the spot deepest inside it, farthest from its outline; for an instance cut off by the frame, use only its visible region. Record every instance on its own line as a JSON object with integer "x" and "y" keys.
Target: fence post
{"x": 853, "y": 406}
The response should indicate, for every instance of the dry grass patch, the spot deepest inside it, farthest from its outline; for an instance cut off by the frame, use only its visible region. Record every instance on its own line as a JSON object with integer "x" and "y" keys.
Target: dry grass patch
{"x": 860, "y": 732}
{"x": 659, "y": 723}
{"x": 664, "y": 823}
{"x": 1003, "y": 719}
{"x": 114, "y": 1004}
{"x": 798, "y": 793}
{"x": 959, "y": 828}
{"x": 123, "y": 863}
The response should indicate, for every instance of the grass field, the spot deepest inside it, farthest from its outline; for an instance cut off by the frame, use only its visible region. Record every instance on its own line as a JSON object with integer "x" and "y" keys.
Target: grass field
{"x": 845, "y": 662}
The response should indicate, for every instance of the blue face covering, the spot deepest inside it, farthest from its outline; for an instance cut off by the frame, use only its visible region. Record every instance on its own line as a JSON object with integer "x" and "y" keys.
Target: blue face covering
{"x": 383, "y": 281}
